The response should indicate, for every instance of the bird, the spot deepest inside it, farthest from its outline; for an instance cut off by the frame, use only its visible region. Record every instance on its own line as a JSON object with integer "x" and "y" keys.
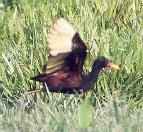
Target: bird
{"x": 63, "y": 72}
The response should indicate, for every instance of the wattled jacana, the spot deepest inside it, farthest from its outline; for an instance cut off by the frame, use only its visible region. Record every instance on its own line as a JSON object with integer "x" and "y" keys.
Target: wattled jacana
{"x": 63, "y": 72}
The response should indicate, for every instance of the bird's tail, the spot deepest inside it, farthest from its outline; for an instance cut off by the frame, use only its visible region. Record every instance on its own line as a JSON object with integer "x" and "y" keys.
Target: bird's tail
{"x": 40, "y": 78}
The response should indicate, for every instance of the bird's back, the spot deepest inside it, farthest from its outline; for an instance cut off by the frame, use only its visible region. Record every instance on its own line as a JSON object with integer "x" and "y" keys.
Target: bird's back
{"x": 62, "y": 81}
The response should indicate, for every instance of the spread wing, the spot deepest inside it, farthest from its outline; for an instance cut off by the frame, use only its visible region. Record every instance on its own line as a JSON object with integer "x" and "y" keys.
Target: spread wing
{"x": 66, "y": 48}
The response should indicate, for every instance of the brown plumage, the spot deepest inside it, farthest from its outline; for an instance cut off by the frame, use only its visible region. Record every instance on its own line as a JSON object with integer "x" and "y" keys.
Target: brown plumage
{"x": 63, "y": 72}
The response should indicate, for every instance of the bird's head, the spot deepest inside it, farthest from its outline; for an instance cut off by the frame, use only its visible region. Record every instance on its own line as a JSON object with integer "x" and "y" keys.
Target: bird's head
{"x": 102, "y": 62}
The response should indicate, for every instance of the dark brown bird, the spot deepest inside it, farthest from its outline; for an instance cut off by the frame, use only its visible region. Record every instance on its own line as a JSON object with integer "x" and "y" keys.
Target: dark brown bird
{"x": 63, "y": 72}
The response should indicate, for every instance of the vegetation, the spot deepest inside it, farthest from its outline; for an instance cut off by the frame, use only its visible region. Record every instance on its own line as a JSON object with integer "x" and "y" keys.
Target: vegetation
{"x": 112, "y": 28}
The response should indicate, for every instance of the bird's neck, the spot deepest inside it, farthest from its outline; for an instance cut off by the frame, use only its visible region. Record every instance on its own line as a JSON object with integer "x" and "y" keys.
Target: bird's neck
{"x": 91, "y": 78}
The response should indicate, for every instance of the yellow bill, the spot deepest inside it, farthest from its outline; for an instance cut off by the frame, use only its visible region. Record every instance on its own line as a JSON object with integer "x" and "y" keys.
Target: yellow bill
{"x": 113, "y": 66}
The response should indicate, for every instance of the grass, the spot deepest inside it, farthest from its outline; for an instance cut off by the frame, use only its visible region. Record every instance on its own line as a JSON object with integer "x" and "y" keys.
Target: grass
{"x": 110, "y": 28}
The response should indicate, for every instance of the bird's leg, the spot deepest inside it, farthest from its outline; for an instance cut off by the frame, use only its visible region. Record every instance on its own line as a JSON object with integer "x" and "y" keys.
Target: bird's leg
{"x": 24, "y": 98}
{"x": 24, "y": 101}
{"x": 33, "y": 91}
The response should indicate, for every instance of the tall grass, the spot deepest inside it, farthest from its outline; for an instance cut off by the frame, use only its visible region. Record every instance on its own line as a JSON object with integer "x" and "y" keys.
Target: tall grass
{"x": 112, "y": 28}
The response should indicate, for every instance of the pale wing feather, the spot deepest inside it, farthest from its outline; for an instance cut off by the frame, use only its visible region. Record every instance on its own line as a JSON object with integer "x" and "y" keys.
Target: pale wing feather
{"x": 60, "y": 37}
{"x": 54, "y": 63}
